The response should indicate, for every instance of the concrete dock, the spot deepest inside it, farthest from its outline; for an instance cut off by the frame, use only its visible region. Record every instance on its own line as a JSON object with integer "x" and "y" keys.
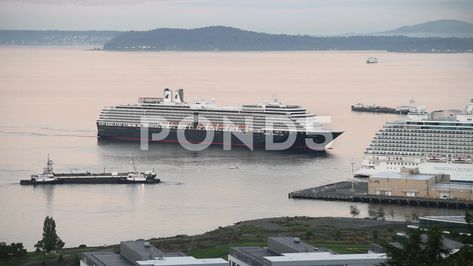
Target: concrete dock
{"x": 358, "y": 192}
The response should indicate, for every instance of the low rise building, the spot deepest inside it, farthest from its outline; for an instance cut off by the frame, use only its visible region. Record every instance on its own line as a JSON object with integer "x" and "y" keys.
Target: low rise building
{"x": 142, "y": 253}
{"x": 411, "y": 183}
{"x": 447, "y": 223}
{"x": 287, "y": 251}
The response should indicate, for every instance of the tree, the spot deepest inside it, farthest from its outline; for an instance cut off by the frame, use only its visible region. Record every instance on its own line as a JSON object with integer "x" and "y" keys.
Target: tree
{"x": 413, "y": 251}
{"x": 354, "y": 211}
{"x": 14, "y": 250}
{"x": 408, "y": 253}
{"x": 435, "y": 251}
{"x": 380, "y": 214}
{"x": 465, "y": 254}
{"x": 372, "y": 214}
{"x": 51, "y": 240}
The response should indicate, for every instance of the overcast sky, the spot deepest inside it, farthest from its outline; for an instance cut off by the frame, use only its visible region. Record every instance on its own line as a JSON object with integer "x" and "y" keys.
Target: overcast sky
{"x": 315, "y": 17}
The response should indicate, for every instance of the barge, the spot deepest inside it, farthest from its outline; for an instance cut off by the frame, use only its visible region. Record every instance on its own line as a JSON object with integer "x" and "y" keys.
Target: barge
{"x": 403, "y": 110}
{"x": 48, "y": 177}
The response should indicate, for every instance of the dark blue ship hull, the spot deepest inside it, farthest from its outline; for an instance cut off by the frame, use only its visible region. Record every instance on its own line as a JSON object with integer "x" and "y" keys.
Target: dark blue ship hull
{"x": 269, "y": 141}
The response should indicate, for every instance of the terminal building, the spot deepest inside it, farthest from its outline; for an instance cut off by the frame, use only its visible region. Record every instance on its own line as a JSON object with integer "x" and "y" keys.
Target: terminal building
{"x": 411, "y": 183}
{"x": 288, "y": 251}
{"x": 142, "y": 253}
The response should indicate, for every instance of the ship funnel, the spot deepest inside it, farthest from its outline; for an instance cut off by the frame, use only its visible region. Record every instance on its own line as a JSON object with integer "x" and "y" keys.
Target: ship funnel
{"x": 167, "y": 95}
{"x": 179, "y": 96}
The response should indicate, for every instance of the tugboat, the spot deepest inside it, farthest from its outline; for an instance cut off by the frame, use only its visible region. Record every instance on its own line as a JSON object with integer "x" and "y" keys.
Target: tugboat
{"x": 371, "y": 60}
{"x": 49, "y": 177}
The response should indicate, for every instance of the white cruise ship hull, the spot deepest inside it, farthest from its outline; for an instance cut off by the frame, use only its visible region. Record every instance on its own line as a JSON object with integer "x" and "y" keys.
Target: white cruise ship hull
{"x": 457, "y": 172}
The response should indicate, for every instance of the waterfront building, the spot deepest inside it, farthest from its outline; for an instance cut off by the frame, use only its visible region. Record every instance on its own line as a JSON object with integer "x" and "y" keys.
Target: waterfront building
{"x": 411, "y": 183}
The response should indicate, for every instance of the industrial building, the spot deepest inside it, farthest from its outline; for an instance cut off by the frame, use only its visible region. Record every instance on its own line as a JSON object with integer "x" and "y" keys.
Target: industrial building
{"x": 411, "y": 183}
{"x": 288, "y": 251}
{"x": 142, "y": 253}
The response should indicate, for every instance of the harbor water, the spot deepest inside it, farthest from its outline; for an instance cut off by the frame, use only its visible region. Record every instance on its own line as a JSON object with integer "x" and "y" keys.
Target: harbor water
{"x": 51, "y": 98}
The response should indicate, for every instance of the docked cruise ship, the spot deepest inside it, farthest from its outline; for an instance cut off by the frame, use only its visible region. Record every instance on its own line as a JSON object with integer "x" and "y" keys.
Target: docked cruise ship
{"x": 271, "y": 125}
{"x": 440, "y": 142}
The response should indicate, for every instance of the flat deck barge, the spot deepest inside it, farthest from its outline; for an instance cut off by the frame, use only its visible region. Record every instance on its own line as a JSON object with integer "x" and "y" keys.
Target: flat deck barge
{"x": 88, "y": 180}
{"x": 358, "y": 192}
{"x": 49, "y": 177}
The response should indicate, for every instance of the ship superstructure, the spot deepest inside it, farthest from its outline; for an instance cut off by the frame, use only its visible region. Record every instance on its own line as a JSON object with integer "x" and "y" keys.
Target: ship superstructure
{"x": 271, "y": 121}
{"x": 436, "y": 142}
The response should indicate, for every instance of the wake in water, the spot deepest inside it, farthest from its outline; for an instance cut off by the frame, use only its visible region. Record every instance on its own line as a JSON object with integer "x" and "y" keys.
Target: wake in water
{"x": 46, "y": 132}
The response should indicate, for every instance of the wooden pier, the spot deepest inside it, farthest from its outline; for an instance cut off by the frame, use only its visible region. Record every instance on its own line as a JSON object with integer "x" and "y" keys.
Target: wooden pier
{"x": 358, "y": 192}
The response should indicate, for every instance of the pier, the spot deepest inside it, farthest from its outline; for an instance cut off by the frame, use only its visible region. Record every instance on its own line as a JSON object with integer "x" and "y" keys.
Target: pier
{"x": 358, "y": 192}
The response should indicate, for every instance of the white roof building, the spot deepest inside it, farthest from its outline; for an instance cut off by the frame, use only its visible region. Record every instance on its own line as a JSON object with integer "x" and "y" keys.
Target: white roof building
{"x": 324, "y": 258}
{"x": 181, "y": 261}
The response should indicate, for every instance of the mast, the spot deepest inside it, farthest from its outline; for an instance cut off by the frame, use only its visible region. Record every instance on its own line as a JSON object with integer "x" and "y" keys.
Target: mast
{"x": 132, "y": 161}
{"x": 49, "y": 166}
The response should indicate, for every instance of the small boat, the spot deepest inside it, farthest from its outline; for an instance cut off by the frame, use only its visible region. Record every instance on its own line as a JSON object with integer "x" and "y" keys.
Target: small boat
{"x": 371, "y": 60}
{"x": 49, "y": 177}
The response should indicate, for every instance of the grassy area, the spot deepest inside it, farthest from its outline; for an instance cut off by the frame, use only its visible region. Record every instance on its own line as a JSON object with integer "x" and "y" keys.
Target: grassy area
{"x": 341, "y": 235}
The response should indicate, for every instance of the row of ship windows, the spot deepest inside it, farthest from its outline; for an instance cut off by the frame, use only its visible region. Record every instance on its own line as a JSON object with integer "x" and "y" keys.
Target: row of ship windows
{"x": 444, "y": 147}
{"x": 425, "y": 137}
{"x": 191, "y": 115}
{"x": 396, "y": 163}
{"x": 173, "y": 109}
{"x": 456, "y": 142}
{"x": 200, "y": 126}
{"x": 449, "y": 131}
{"x": 436, "y": 146}
{"x": 423, "y": 140}
{"x": 216, "y": 123}
{"x": 425, "y": 134}
{"x": 137, "y": 118}
{"x": 448, "y": 124}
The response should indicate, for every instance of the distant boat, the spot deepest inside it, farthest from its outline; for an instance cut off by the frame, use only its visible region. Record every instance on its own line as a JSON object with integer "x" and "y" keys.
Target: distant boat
{"x": 371, "y": 60}
{"x": 403, "y": 109}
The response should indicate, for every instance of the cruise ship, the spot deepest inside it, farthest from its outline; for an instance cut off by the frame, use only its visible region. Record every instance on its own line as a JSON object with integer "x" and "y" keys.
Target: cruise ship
{"x": 439, "y": 142}
{"x": 271, "y": 125}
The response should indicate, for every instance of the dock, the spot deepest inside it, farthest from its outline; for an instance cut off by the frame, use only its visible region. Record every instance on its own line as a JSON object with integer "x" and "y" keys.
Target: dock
{"x": 358, "y": 192}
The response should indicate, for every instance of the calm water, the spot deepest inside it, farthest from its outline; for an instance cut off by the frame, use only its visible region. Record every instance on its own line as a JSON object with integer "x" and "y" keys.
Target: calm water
{"x": 51, "y": 97}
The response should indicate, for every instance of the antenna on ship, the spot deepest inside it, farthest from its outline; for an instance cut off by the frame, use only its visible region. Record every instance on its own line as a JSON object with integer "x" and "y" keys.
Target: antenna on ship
{"x": 132, "y": 161}
{"x": 49, "y": 166}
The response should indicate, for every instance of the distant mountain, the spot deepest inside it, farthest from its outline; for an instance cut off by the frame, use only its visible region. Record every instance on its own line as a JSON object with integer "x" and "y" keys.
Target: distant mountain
{"x": 53, "y": 37}
{"x": 439, "y": 28}
{"x": 219, "y": 38}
